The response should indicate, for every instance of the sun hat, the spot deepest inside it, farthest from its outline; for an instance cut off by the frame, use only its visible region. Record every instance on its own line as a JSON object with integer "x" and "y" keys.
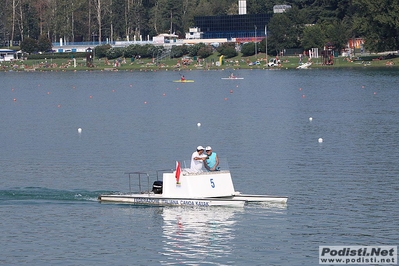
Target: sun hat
{"x": 208, "y": 148}
{"x": 200, "y": 148}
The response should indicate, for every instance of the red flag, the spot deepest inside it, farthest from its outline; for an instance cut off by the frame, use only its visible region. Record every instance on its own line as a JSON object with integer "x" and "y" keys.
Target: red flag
{"x": 177, "y": 174}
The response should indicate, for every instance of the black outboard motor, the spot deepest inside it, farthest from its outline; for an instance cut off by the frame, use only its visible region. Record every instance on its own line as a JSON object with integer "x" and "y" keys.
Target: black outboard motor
{"x": 157, "y": 187}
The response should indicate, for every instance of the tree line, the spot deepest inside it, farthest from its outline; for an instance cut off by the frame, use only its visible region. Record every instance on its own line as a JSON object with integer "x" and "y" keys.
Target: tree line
{"x": 309, "y": 23}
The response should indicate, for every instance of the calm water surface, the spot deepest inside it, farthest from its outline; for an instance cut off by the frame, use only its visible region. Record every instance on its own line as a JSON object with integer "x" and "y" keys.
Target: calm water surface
{"x": 343, "y": 191}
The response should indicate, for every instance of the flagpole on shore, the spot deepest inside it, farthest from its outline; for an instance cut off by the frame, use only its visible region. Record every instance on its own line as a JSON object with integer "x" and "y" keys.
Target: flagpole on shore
{"x": 255, "y": 43}
{"x": 266, "y": 42}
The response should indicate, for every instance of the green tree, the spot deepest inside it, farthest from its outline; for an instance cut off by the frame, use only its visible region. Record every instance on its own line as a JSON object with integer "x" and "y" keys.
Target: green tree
{"x": 336, "y": 33}
{"x": 227, "y": 49}
{"x": 2, "y": 26}
{"x": 178, "y": 51}
{"x": 155, "y": 51}
{"x": 188, "y": 14}
{"x": 44, "y": 44}
{"x": 205, "y": 52}
{"x": 132, "y": 50}
{"x": 114, "y": 53}
{"x": 101, "y": 50}
{"x": 286, "y": 29}
{"x": 146, "y": 51}
{"x": 281, "y": 35}
{"x": 320, "y": 10}
{"x": 378, "y": 23}
{"x": 203, "y": 8}
{"x": 262, "y": 46}
{"x": 171, "y": 14}
{"x": 76, "y": 20}
{"x": 248, "y": 49}
{"x": 193, "y": 49}
{"x": 29, "y": 19}
{"x": 29, "y": 45}
{"x": 313, "y": 37}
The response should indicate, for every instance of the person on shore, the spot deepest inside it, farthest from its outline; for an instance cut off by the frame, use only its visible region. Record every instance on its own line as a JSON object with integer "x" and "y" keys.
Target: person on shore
{"x": 197, "y": 159}
{"x": 212, "y": 160}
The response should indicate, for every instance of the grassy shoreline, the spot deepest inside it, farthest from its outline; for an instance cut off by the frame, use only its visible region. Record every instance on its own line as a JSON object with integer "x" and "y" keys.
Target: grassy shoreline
{"x": 239, "y": 62}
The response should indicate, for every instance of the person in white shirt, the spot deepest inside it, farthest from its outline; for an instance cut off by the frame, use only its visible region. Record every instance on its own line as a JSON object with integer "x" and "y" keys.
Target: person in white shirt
{"x": 197, "y": 159}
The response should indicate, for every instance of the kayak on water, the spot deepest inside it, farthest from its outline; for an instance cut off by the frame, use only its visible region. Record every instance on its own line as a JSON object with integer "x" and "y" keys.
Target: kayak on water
{"x": 233, "y": 78}
{"x": 184, "y": 80}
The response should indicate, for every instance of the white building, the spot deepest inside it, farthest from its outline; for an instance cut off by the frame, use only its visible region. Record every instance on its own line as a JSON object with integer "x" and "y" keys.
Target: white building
{"x": 280, "y": 8}
{"x": 164, "y": 38}
{"x": 194, "y": 33}
{"x": 242, "y": 7}
{"x": 7, "y": 55}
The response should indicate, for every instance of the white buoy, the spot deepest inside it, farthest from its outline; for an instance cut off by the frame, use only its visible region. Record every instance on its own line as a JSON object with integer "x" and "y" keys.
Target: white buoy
{"x": 310, "y": 119}
{"x": 320, "y": 140}
{"x": 198, "y": 124}
{"x": 79, "y": 130}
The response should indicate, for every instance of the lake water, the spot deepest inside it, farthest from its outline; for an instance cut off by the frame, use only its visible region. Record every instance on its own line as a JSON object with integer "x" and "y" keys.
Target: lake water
{"x": 342, "y": 191}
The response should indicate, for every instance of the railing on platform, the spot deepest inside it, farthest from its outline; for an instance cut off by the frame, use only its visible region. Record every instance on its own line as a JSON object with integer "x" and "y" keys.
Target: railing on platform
{"x": 139, "y": 176}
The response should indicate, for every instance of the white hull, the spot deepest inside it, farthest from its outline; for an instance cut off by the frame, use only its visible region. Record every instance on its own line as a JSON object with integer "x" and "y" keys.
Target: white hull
{"x": 158, "y": 200}
{"x": 260, "y": 198}
{"x": 233, "y": 78}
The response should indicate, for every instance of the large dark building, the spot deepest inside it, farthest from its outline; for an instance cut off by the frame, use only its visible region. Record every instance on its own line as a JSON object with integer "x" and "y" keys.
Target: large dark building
{"x": 233, "y": 26}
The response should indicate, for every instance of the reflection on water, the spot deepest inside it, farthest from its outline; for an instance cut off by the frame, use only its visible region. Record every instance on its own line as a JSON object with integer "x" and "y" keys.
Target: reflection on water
{"x": 193, "y": 235}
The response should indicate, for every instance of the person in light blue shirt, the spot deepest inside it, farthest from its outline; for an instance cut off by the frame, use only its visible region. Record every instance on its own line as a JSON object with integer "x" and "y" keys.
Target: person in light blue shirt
{"x": 211, "y": 162}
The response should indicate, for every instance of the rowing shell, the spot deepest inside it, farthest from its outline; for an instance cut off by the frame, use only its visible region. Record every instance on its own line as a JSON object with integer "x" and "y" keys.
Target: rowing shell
{"x": 232, "y": 78}
{"x": 184, "y": 81}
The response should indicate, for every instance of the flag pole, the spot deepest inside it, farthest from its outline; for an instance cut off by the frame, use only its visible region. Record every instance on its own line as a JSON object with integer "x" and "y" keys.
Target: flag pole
{"x": 177, "y": 173}
{"x": 255, "y": 43}
{"x": 266, "y": 42}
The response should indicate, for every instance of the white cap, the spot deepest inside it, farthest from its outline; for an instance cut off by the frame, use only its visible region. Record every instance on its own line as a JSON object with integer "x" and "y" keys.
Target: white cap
{"x": 208, "y": 148}
{"x": 200, "y": 148}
